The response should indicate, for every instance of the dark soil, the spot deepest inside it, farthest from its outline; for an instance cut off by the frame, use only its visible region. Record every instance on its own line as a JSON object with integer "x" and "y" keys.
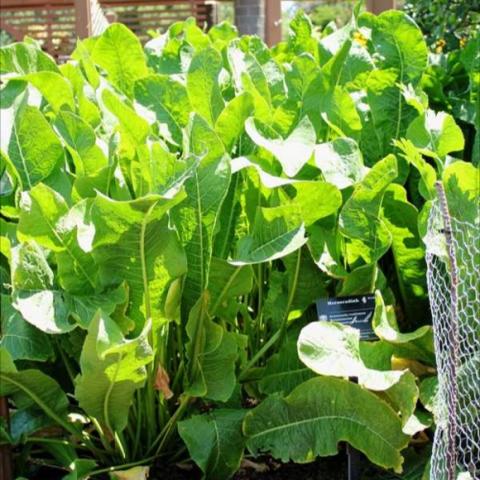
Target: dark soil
{"x": 265, "y": 468}
{"x": 261, "y": 468}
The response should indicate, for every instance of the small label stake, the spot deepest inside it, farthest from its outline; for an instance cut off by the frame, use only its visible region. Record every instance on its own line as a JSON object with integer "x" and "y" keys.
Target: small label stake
{"x": 355, "y": 311}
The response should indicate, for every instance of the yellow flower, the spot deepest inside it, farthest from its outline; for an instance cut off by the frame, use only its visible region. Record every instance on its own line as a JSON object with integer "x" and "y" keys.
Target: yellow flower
{"x": 463, "y": 42}
{"x": 360, "y": 38}
{"x": 440, "y": 45}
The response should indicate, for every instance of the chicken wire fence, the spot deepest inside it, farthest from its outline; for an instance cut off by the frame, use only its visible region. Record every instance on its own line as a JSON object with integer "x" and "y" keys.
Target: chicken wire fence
{"x": 453, "y": 262}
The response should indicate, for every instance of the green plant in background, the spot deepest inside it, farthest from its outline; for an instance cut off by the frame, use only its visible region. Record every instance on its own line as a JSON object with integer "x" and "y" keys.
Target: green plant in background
{"x": 452, "y": 32}
{"x": 446, "y": 24}
{"x": 337, "y": 12}
{"x": 169, "y": 217}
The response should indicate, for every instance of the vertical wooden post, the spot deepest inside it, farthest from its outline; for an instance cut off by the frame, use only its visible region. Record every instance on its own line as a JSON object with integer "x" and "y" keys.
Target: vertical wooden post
{"x": 6, "y": 469}
{"x": 83, "y": 18}
{"x": 273, "y": 22}
{"x": 379, "y": 6}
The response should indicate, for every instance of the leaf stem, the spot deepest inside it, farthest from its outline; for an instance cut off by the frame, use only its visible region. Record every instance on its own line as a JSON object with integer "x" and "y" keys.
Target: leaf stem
{"x": 280, "y": 333}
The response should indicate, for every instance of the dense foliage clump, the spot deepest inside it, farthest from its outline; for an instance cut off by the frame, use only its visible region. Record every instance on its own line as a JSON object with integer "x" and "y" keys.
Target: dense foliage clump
{"x": 170, "y": 214}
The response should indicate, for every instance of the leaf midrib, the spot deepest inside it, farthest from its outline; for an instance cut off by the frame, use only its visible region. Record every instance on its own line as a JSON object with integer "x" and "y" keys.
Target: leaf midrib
{"x": 320, "y": 419}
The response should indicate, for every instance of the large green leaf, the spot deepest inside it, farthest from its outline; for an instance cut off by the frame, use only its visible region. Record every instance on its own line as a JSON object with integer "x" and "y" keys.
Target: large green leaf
{"x": 33, "y": 389}
{"x": 360, "y": 217}
{"x": 316, "y": 200}
{"x": 319, "y": 414}
{"x": 196, "y": 218}
{"x": 203, "y": 84}
{"x": 55, "y": 89}
{"x": 124, "y": 239}
{"x": 436, "y": 134}
{"x": 25, "y": 58}
{"x": 35, "y": 295}
{"x": 226, "y": 283}
{"x": 462, "y": 188}
{"x": 284, "y": 371}
{"x": 112, "y": 369}
{"x": 401, "y": 218}
{"x": 416, "y": 345}
{"x": 22, "y": 340}
{"x": 292, "y": 152}
{"x": 212, "y": 353}
{"x": 330, "y": 348}
{"x": 34, "y": 148}
{"x": 215, "y": 441}
{"x": 230, "y": 123}
{"x": 277, "y": 231}
{"x": 168, "y": 99}
{"x": 80, "y": 139}
{"x": 248, "y": 76}
{"x": 119, "y": 52}
{"x": 386, "y": 116}
{"x": 340, "y": 161}
{"x": 398, "y": 43}
{"x": 133, "y": 128}
{"x": 43, "y": 218}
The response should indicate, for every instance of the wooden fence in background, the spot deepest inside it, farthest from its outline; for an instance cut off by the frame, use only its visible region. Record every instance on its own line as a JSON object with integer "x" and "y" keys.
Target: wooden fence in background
{"x": 57, "y": 23}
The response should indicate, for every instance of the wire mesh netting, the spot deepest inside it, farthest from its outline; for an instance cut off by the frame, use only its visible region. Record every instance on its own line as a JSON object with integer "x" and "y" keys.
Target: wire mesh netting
{"x": 453, "y": 260}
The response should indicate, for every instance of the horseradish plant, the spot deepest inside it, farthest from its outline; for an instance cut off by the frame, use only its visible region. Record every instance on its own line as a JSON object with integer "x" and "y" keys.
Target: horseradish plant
{"x": 169, "y": 217}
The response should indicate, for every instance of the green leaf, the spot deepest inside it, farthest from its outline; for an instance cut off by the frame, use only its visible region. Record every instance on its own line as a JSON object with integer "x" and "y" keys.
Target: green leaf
{"x": 203, "y": 84}
{"x": 360, "y": 217}
{"x": 401, "y": 218}
{"x": 112, "y": 369}
{"x": 212, "y": 352}
{"x": 43, "y": 218}
{"x": 22, "y": 340}
{"x": 32, "y": 388}
{"x": 338, "y": 110}
{"x": 168, "y": 99}
{"x": 427, "y": 172}
{"x": 133, "y": 128}
{"x": 316, "y": 200}
{"x": 284, "y": 371}
{"x": 125, "y": 247}
{"x": 248, "y": 76}
{"x": 226, "y": 283}
{"x": 119, "y": 52}
{"x": 462, "y": 188}
{"x": 25, "y": 58}
{"x": 300, "y": 37}
{"x": 230, "y": 123}
{"x": 319, "y": 414}
{"x": 398, "y": 43}
{"x": 277, "y": 231}
{"x": 55, "y": 89}
{"x": 34, "y": 294}
{"x": 80, "y": 139}
{"x": 333, "y": 349}
{"x": 416, "y": 345}
{"x": 386, "y": 116}
{"x": 196, "y": 218}
{"x": 34, "y": 148}
{"x": 436, "y": 134}
{"x": 223, "y": 32}
{"x": 292, "y": 152}
{"x": 215, "y": 441}
{"x": 340, "y": 161}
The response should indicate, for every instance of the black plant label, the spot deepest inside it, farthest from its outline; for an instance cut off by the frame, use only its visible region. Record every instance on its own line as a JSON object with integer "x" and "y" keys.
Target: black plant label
{"x": 355, "y": 311}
